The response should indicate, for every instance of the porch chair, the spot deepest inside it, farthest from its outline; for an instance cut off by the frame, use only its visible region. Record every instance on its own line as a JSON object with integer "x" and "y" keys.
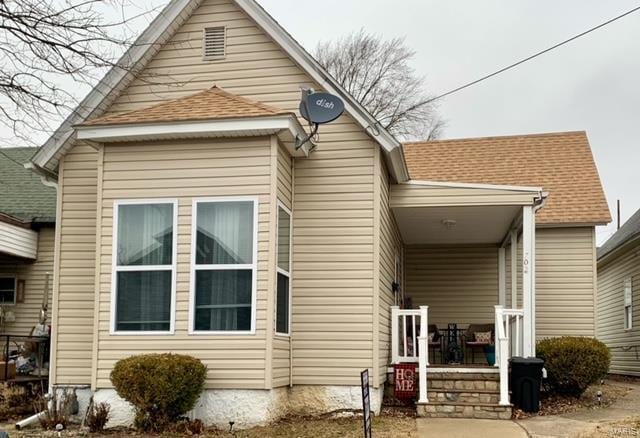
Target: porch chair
{"x": 436, "y": 343}
{"x": 469, "y": 341}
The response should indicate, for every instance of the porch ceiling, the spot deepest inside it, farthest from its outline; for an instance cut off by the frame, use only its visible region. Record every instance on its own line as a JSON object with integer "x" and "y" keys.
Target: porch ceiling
{"x": 455, "y": 225}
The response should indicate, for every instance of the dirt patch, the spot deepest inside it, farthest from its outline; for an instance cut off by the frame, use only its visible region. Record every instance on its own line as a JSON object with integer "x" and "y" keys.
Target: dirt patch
{"x": 554, "y": 404}
{"x": 391, "y": 423}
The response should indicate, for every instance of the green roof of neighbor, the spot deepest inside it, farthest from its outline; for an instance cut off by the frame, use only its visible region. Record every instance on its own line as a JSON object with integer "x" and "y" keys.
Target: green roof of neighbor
{"x": 22, "y": 194}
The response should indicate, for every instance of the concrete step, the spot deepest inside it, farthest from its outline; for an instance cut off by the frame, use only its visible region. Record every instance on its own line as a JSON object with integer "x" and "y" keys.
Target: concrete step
{"x": 449, "y": 409}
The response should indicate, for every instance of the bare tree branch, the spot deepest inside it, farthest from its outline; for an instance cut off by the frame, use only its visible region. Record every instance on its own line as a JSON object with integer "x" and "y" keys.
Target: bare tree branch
{"x": 378, "y": 74}
{"x": 45, "y": 43}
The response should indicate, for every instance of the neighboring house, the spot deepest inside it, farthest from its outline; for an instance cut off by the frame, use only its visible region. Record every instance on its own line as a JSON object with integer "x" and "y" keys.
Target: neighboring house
{"x": 618, "y": 311}
{"x": 188, "y": 222}
{"x": 27, "y": 224}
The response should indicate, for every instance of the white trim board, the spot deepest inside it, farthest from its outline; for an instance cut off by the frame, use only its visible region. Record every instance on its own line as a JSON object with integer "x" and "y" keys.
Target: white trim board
{"x": 416, "y": 182}
{"x": 287, "y": 127}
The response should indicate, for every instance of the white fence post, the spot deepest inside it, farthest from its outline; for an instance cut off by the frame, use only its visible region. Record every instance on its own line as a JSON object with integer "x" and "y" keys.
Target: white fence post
{"x": 395, "y": 353}
{"x": 499, "y": 321}
{"x": 423, "y": 354}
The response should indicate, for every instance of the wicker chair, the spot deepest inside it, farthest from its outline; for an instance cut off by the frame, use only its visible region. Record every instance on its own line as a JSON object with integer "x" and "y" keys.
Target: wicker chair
{"x": 469, "y": 339}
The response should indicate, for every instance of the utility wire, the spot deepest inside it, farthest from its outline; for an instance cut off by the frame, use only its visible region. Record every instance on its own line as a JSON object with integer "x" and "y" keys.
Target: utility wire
{"x": 529, "y": 58}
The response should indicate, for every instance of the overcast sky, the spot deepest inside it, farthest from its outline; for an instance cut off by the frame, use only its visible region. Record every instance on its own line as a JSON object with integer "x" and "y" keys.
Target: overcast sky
{"x": 591, "y": 84}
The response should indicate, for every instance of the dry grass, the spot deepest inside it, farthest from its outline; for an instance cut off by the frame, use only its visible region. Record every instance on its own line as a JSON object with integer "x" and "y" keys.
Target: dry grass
{"x": 392, "y": 424}
{"x": 349, "y": 427}
{"x": 555, "y": 404}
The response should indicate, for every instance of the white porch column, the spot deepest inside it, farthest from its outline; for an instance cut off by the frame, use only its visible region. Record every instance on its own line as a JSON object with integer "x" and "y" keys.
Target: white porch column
{"x": 502, "y": 276}
{"x": 423, "y": 354}
{"x": 528, "y": 282}
{"x": 514, "y": 269}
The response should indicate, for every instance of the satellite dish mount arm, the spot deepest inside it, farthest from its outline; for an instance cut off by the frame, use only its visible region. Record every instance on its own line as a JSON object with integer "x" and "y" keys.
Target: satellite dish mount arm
{"x": 300, "y": 142}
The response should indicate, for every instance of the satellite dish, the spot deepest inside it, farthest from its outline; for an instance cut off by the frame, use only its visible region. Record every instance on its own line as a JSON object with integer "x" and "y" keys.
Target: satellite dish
{"x": 321, "y": 108}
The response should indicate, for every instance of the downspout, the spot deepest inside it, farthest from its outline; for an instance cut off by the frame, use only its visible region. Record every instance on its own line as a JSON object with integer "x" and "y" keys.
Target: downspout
{"x": 293, "y": 214}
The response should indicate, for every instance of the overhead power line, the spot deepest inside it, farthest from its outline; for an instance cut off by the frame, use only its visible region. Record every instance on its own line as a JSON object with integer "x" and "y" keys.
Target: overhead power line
{"x": 529, "y": 58}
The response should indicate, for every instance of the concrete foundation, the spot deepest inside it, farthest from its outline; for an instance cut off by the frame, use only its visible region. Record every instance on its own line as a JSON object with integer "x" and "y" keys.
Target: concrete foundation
{"x": 246, "y": 408}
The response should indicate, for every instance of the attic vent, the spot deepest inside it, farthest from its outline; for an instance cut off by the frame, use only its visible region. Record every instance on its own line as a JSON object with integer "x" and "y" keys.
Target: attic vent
{"x": 215, "y": 39}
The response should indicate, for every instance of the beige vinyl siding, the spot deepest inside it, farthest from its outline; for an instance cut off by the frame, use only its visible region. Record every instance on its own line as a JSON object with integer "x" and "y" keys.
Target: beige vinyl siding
{"x": 225, "y": 168}
{"x": 565, "y": 288}
{"x": 281, "y": 344}
{"x": 390, "y": 248}
{"x": 34, "y": 274}
{"x": 564, "y": 281}
{"x": 458, "y": 283}
{"x": 418, "y": 195}
{"x": 624, "y": 344}
{"x": 333, "y": 228}
{"x": 74, "y": 303}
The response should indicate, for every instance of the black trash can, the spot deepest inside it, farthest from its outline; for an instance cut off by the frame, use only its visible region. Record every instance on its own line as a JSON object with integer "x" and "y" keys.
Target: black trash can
{"x": 525, "y": 382}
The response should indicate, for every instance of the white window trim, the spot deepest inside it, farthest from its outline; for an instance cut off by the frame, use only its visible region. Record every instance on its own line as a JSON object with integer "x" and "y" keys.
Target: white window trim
{"x": 15, "y": 289}
{"x": 253, "y": 266}
{"x": 282, "y": 271}
{"x": 629, "y": 281}
{"x": 115, "y": 268}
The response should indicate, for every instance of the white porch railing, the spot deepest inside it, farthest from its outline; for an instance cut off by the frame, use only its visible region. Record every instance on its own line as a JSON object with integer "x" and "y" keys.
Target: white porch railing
{"x": 408, "y": 340}
{"x": 508, "y": 344}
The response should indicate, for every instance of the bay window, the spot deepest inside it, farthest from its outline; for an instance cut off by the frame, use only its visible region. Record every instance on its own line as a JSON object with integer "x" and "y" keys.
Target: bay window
{"x": 224, "y": 266}
{"x": 144, "y": 266}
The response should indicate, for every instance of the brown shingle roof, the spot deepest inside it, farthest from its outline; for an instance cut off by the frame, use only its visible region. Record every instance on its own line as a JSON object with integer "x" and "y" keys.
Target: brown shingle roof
{"x": 560, "y": 163}
{"x": 214, "y": 103}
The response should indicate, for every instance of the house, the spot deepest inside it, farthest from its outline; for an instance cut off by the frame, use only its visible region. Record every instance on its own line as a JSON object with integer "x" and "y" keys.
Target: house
{"x": 27, "y": 224}
{"x": 618, "y": 311}
{"x": 189, "y": 222}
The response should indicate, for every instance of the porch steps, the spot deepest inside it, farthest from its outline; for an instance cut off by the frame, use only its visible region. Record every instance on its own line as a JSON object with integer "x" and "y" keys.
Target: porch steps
{"x": 467, "y": 394}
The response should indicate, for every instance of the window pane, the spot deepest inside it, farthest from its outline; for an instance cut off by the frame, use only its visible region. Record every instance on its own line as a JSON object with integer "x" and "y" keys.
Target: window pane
{"x": 282, "y": 305}
{"x": 7, "y": 284}
{"x": 143, "y": 301}
{"x": 223, "y": 300}
{"x": 284, "y": 233}
{"x": 225, "y": 233}
{"x": 145, "y": 234}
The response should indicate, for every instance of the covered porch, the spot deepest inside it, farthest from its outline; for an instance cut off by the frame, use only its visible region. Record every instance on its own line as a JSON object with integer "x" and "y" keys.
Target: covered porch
{"x": 466, "y": 292}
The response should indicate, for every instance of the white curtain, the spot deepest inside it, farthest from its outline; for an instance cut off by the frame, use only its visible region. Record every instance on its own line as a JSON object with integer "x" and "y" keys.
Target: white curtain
{"x": 145, "y": 238}
{"x": 224, "y": 237}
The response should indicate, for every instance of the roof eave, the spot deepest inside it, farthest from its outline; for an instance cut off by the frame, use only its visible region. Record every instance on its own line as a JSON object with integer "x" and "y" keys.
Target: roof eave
{"x": 250, "y": 126}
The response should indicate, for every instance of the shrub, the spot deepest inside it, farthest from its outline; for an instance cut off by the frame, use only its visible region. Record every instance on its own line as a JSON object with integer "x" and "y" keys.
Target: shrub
{"x": 161, "y": 387}
{"x": 98, "y": 416}
{"x": 573, "y": 363}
